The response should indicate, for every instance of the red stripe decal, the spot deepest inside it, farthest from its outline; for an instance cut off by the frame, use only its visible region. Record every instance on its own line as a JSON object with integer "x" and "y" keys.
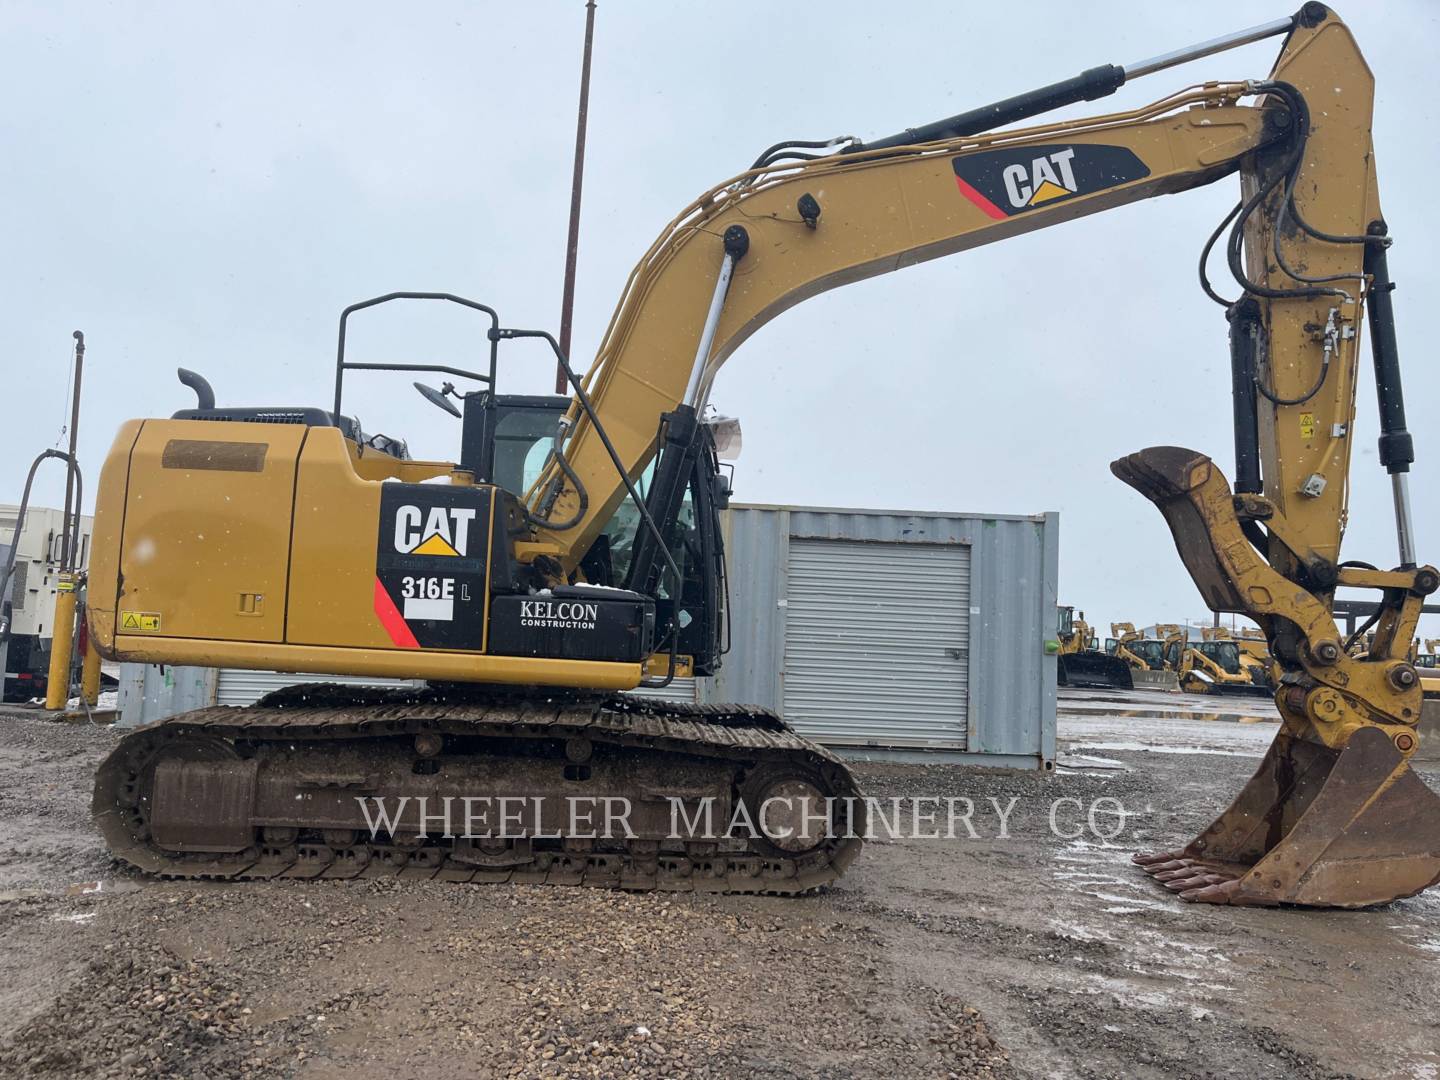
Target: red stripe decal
{"x": 981, "y": 201}
{"x": 391, "y": 619}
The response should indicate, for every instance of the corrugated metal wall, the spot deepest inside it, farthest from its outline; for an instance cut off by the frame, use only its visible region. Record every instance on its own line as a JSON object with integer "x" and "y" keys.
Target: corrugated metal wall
{"x": 236, "y": 686}
{"x": 679, "y": 690}
{"x": 150, "y": 692}
{"x": 1013, "y": 564}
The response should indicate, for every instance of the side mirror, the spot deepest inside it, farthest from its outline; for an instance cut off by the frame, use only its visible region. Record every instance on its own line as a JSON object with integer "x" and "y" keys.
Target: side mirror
{"x": 722, "y": 492}
{"x": 437, "y": 397}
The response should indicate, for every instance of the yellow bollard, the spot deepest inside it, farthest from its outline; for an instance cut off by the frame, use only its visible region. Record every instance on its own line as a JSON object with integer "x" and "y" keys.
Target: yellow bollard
{"x": 89, "y": 666}
{"x": 57, "y": 692}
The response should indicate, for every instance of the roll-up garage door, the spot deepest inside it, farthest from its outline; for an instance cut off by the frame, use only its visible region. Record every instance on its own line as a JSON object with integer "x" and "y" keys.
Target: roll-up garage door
{"x": 877, "y": 642}
{"x": 236, "y": 686}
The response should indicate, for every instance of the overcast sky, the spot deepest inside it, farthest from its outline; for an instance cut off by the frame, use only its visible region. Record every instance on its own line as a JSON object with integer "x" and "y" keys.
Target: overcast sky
{"x": 208, "y": 185}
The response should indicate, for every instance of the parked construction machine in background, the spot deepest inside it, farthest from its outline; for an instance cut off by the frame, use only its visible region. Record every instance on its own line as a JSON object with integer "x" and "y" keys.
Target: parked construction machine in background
{"x": 1428, "y": 665}
{"x": 1144, "y": 656}
{"x": 1251, "y": 654}
{"x": 287, "y": 538}
{"x": 1081, "y": 664}
{"x": 1426, "y": 658}
{"x": 1213, "y": 666}
{"x": 1252, "y": 644}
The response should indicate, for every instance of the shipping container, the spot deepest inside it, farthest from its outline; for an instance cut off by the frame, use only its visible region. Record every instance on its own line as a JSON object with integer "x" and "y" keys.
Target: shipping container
{"x": 895, "y": 634}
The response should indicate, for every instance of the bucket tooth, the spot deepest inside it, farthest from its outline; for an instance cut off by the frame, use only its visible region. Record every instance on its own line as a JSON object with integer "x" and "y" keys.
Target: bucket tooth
{"x": 1158, "y": 860}
{"x": 1223, "y": 893}
{"x": 1195, "y": 882}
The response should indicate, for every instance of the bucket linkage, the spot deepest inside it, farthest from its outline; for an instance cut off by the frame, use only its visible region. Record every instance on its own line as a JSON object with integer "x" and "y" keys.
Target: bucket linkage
{"x": 1334, "y": 816}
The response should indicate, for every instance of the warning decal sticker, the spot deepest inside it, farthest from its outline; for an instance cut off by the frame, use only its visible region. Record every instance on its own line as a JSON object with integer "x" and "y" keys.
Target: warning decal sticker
{"x": 430, "y": 565}
{"x": 145, "y": 622}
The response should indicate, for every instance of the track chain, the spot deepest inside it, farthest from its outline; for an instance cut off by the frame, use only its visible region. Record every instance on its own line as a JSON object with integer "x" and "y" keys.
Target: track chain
{"x": 332, "y": 712}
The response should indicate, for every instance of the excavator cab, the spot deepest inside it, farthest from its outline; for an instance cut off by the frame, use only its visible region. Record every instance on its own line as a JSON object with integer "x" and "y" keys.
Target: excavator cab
{"x": 505, "y": 438}
{"x": 1223, "y": 654}
{"x": 1149, "y": 650}
{"x": 508, "y": 440}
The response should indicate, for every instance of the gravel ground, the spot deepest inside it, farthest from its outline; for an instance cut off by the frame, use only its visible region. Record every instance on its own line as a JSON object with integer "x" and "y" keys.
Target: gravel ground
{"x": 1023, "y": 955}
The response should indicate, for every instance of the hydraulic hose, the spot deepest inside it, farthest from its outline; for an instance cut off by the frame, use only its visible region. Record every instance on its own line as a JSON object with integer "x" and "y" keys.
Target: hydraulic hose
{"x": 1300, "y": 123}
{"x": 557, "y": 452}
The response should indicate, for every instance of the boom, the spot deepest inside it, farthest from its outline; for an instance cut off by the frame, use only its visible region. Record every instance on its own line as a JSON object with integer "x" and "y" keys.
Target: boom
{"x": 879, "y": 210}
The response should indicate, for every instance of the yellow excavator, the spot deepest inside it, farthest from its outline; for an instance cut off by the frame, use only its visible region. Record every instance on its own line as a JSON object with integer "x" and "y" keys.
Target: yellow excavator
{"x": 1083, "y": 666}
{"x": 1170, "y": 633}
{"x": 1123, "y": 631}
{"x": 285, "y": 537}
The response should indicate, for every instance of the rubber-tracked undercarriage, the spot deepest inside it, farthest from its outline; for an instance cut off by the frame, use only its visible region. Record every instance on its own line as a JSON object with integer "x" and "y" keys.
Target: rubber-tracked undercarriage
{"x": 608, "y": 791}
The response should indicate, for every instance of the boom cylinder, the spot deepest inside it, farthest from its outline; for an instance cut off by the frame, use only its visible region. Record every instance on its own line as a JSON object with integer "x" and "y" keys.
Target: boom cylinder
{"x": 737, "y": 243}
{"x": 1098, "y": 82}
